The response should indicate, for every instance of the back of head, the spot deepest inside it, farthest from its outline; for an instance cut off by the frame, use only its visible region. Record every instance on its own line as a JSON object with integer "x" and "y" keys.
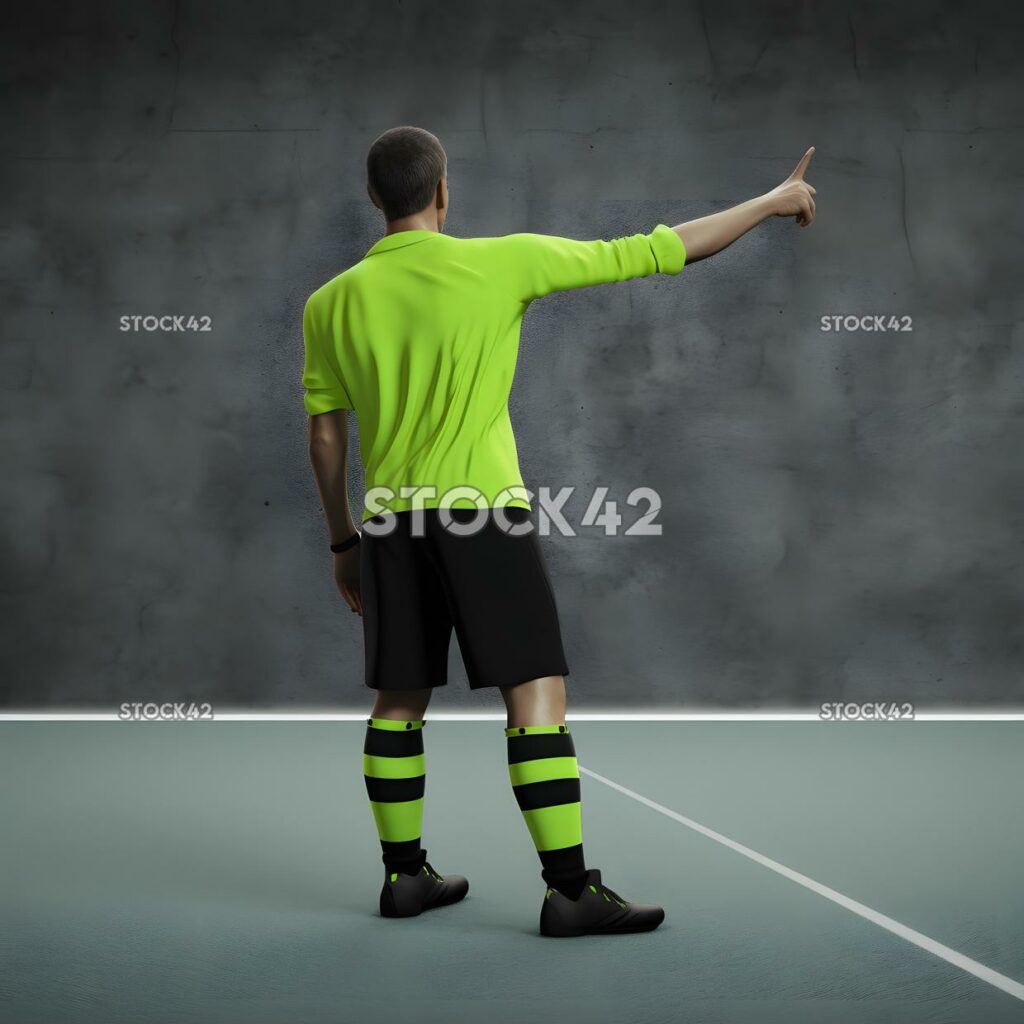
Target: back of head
{"x": 403, "y": 169}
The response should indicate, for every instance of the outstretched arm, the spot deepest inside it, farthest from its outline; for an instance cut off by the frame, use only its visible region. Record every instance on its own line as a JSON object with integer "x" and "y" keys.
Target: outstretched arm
{"x": 793, "y": 198}
{"x": 535, "y": 265}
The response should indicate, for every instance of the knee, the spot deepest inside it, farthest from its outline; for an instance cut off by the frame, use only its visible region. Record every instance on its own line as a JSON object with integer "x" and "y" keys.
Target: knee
{"x": 536, "y": 702}
{"x": 401, "y": 704}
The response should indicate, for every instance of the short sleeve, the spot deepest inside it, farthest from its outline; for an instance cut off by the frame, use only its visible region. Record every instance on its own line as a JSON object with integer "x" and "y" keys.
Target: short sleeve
{"x": 548, "y": 263}
{"x": 324, "y": 388}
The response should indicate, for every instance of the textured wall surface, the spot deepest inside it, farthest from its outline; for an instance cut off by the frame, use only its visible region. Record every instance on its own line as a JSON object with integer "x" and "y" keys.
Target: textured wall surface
{"x": 842, "y": 512}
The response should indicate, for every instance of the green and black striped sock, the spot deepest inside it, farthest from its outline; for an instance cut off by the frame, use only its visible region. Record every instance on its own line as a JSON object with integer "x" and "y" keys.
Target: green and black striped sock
{"x": 394, "y": 770}
{"x": 546, "y": 781}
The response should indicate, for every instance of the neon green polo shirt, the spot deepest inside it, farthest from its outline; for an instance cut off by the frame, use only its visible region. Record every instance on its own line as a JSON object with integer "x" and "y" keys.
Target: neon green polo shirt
{"x": 420, "y": 338}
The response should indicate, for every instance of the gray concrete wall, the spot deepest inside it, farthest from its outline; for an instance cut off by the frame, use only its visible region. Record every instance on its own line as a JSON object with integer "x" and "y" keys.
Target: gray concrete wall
{"x": 842, "y": 511}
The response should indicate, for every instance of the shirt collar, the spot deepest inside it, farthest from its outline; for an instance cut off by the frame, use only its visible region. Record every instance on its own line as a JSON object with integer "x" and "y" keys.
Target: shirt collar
{"x": 399, "y": 238}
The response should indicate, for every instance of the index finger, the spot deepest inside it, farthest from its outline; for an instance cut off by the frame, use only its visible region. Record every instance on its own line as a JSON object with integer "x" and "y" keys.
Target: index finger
{"x": 798, "y": 173}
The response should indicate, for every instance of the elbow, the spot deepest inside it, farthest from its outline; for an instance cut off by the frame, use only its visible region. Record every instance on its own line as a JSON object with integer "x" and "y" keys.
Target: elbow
{"x": 325, "y": 440}
{"x": 323, "y": 445}
{"x": 327, "y": 425}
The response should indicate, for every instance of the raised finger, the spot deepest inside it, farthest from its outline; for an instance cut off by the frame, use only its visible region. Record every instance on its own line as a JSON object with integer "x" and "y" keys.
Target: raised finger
{"x": 798, "y": 171}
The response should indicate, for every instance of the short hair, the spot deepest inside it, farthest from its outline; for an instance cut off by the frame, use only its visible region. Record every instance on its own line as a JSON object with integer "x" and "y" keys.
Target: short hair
{"x": 403, "y": 168}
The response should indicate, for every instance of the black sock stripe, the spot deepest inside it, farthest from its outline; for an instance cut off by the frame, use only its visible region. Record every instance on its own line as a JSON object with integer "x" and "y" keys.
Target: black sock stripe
{"x": 392, "y": 791}
{"x": 385, "y": 743}
{"x": 533, "y": 746}
{"x": 567, "y": 861}
{"x": 403, "y": 854}
{"x": 405, "y": 848}
{"x": 534, "y": 795}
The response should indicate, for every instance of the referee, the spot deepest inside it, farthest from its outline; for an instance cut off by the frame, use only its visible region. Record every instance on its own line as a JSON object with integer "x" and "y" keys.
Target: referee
{"x": 419, "y": 339}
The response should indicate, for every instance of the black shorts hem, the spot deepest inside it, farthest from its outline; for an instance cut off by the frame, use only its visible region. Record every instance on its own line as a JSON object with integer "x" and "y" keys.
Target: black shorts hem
{"x": 514, "y": 679}
{"x": 405, "y": 686}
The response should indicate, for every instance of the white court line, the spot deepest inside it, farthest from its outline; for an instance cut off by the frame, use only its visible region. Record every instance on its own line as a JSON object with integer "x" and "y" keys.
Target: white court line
{"x": 711, "y": 715}
{"x": 965, "y": 963}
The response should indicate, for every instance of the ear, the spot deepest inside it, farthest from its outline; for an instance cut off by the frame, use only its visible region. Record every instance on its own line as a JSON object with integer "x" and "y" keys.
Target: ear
{"x": 442, "y": 194}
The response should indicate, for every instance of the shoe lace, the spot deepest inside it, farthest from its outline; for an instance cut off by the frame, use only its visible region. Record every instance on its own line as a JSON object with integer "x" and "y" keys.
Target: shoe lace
{"x": 432, "y": 873}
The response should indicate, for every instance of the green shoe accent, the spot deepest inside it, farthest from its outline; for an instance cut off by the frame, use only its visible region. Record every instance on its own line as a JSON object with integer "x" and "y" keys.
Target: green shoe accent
{"x": 587, "y": 916}
{"x": 394, "y": 877}
{"x": 608, "y": 895}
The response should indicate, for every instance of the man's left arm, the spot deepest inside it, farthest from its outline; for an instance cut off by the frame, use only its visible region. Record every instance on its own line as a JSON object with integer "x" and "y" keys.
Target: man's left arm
{"x": 328, "y": 454}
{"x": 327, "y": 402}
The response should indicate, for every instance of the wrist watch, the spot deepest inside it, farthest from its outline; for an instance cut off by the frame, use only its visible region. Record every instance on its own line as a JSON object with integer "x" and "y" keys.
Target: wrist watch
{"x": 346, "y": 544}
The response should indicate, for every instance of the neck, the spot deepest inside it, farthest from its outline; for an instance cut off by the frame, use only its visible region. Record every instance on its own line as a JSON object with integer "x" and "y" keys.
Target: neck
{"x": 417, "y": 222}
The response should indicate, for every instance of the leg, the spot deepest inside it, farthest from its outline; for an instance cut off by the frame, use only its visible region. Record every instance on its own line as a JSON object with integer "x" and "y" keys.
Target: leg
{"x": 505, "y": 617}
{"x": 395, "y": 774}
{"x": 507, "y": 623}
{"x": 546, "y": 780}
{"x": 394, "y": 770}
{"x": 406, "y": 631}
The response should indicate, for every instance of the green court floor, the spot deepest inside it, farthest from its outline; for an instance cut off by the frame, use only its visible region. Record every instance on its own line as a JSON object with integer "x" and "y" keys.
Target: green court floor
{"x": 228, "y": 872}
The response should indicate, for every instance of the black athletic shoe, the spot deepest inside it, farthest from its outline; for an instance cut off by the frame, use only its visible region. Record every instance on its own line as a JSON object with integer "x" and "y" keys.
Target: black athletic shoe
{"x": 409, "y": 895}
{"x": 598, "y": 911}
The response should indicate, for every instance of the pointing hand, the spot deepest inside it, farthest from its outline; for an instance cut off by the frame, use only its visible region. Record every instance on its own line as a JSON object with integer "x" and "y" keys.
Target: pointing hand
{"x": 795, "y": 197}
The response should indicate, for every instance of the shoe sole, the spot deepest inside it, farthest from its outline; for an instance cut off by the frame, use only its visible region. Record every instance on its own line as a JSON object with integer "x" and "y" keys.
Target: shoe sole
{"x": 581, "y": 932}
{"x": 388, "y": 909}
{"x": 574, "y": 933}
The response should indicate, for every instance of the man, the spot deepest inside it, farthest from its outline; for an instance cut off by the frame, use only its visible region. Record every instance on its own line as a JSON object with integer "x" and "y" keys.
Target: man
{"x": 420, "y": 339}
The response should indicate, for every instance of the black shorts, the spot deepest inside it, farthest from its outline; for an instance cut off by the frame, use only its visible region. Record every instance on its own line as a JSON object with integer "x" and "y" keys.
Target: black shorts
{"x": 492, "y": 587}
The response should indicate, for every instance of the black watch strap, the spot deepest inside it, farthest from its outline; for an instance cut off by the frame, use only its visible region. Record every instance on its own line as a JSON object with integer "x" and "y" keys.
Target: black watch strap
{"x": 346, "y": 544}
